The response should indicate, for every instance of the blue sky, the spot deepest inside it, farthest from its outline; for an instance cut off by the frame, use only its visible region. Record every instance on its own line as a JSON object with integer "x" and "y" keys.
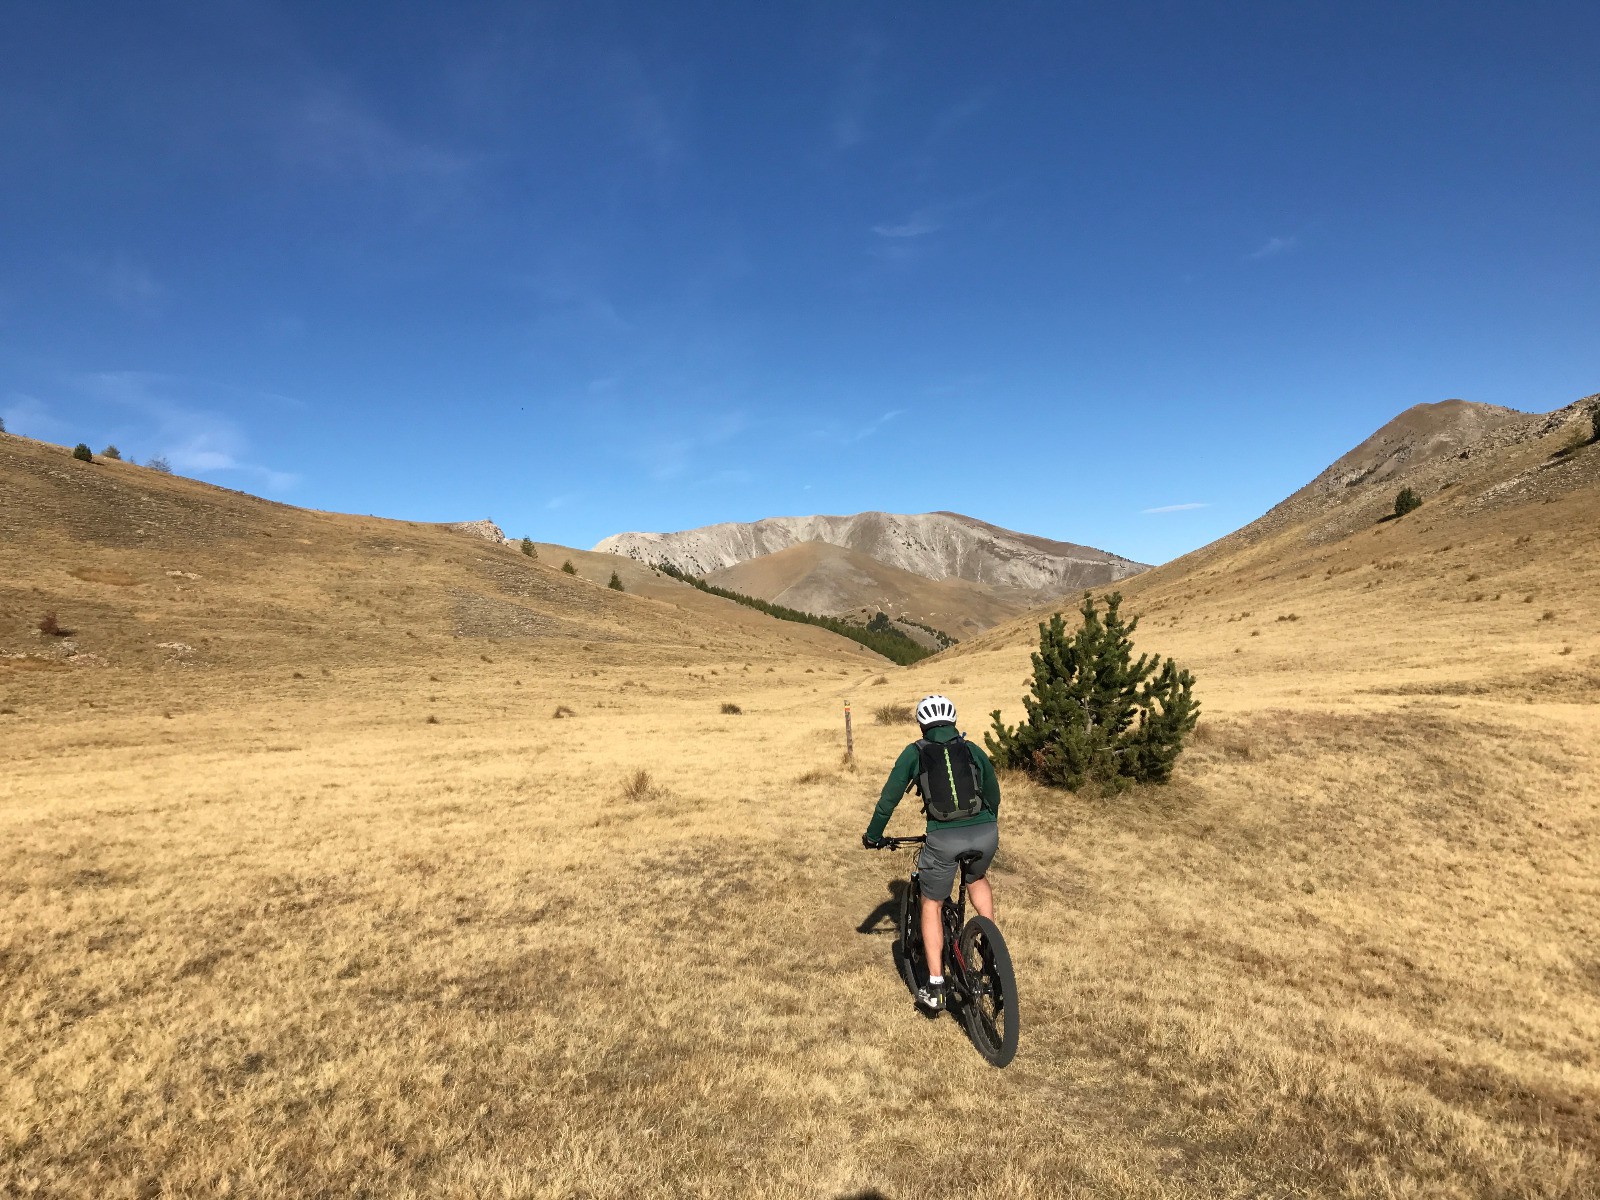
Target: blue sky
{"x": 592, "y": 267}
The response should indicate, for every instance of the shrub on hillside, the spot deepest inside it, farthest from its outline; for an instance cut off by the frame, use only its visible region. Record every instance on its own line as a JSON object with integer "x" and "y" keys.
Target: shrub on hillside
{"x": 1594, "y": 419}
{"x": 893, "y": 714}
{"x": 1406, "y": 502}
{"x": 158, "y": 463}
{"x": 640, "y": 788}
{"x": 51, "y": 626}
{"x": 616, "y": 582}
{"x": 112, "y": 453}
{"x": 569, "y": 568}
{"x": 563, "y": 711}
{"x": 529, "y": 549}
{"x": 1095, "y": 715}
{"x": 730, "y": 709}
{"x": 82, "y": 453}
{"x": 2, "y": 424}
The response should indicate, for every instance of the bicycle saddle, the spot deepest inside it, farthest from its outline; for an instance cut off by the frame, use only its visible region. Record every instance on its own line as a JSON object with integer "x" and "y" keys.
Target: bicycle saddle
{"x": 969, "y": 856}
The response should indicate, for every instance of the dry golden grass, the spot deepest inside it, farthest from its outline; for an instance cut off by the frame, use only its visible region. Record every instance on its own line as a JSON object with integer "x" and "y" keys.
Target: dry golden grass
{"x": 291, "y": 940}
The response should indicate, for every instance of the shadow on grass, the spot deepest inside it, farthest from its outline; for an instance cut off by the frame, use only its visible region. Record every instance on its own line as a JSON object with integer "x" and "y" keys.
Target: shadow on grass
{"x": 869, "y": 1194}
{"x": 882, "y": 918}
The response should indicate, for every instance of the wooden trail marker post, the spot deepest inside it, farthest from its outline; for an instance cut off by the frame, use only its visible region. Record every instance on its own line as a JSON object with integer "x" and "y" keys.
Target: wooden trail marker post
{"x": 849, "y": 737}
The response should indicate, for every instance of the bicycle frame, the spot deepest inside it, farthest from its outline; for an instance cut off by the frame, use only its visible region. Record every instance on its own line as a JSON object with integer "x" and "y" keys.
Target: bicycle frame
{"x": 984, "y": 991}
{"x": 953, "y": 915}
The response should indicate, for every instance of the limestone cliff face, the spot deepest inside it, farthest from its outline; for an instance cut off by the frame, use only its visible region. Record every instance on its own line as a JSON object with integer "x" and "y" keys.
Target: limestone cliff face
{"x": 937, "y": 545}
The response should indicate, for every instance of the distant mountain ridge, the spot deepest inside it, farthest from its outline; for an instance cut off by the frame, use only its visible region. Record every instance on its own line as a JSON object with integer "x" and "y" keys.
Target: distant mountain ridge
{"x": 1017, "y": 568}
{"x": 822, "y": 578}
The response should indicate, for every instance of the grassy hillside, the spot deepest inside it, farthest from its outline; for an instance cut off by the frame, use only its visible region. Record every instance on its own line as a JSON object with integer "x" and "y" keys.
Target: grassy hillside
{"x": 295, "y": 939}
{"x": 818, "y": 577}
{"x": 160, "y": 573}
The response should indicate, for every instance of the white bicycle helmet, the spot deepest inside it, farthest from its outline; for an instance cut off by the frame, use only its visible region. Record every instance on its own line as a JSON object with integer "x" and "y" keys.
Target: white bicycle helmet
{"x": 935, "y": 710}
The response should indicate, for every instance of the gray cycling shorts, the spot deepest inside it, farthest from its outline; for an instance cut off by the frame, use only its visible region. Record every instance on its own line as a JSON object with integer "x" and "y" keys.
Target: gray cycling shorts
{"x": 936, "y": 863}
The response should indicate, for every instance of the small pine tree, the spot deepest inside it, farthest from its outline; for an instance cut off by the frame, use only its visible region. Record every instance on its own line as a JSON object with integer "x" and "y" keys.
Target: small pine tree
{"x": 1095, "y": 714}
{"x": 82, "y": 453}
{"x": 569, "y": 568}
{"x": 111, "y": 452}
{"x": 616, "y": 582}
{"x": 1407, "y": 501}
{"x": 159, "y": 463}
{"x": 529, "y": 549}
{"x": 2, "y": 424}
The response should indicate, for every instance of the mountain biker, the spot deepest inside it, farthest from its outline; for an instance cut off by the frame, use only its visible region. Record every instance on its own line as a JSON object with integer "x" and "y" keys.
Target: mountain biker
{"x": 961, "y": 797}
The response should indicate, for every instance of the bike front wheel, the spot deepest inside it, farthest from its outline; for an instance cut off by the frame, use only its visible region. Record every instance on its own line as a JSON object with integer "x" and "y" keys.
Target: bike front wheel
{"x": 909, "y": 934}
{"x": 990, "y": 1015}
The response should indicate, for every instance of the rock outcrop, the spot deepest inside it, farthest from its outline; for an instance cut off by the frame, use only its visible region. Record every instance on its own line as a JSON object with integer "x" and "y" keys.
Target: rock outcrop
{"x": 487, "y": 530}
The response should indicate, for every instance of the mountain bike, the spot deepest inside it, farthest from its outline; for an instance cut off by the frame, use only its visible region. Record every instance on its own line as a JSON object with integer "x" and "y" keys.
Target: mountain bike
{"x": 977, "y": 971}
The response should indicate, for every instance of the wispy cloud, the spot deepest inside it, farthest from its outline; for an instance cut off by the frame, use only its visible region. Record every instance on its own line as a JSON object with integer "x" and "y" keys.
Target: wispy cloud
{"x": 956, "y": 115}
{"x": 673, "y": 456}
{"x": 838, "y": 433}
{"x": 645, "y": 118}
{"x": 903, "y": 240}
{"x": 1274, "y": 246}
{"x": 728, "y": 477}
{"x": 574, "y": 301}
{"x": 560, "y": 501}
{"x": 191, "y": 439}
{"x": 958, "y": 385}
{"x": 333, "y": 131}
{"x": 918, "y": 224}
{"x": 872, "y": 427}
{"x": 854, "y": 96}
{"x": 1172, "y": 508}
{"x": 286, "y": 326}
{"x": 32, "y": 417}
{"x": 128, "y": 285}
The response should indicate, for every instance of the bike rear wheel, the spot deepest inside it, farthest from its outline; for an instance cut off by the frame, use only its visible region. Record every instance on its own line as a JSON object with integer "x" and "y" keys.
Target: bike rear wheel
{"x": 908, "y": 934}
{"x": 990, "y": 1015}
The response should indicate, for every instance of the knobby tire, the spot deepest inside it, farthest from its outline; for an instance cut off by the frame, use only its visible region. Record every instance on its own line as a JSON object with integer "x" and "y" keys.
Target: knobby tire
{"x": 909, "y": 938}
{"x": 991, "y": 1017}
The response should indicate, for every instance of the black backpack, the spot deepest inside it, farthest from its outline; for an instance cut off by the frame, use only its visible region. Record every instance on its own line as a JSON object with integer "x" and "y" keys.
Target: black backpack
{"x": 949, "y": 780}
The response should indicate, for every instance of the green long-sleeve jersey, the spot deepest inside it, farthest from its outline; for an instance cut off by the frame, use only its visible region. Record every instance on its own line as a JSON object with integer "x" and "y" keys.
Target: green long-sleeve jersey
{"x": 905, "y": 774}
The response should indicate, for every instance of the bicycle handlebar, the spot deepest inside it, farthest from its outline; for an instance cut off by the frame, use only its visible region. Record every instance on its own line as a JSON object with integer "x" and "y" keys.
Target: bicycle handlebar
{"x": 894, "y": 843}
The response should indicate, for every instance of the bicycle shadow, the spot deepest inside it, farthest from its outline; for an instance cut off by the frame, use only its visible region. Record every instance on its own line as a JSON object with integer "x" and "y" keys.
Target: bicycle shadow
{"x": 884, "y": 919}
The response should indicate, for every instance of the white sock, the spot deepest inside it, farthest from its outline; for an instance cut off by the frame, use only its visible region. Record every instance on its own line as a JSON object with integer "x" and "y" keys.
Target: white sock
{"x": 935, "y": 980}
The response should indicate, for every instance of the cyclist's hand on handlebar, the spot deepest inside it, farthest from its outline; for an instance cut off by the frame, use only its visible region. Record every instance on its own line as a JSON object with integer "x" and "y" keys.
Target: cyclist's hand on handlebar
{"x": 872, "y": 843}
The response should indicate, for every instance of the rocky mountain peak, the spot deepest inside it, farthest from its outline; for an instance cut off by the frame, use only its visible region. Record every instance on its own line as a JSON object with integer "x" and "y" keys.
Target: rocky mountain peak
{"x": 936, "y": 545}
